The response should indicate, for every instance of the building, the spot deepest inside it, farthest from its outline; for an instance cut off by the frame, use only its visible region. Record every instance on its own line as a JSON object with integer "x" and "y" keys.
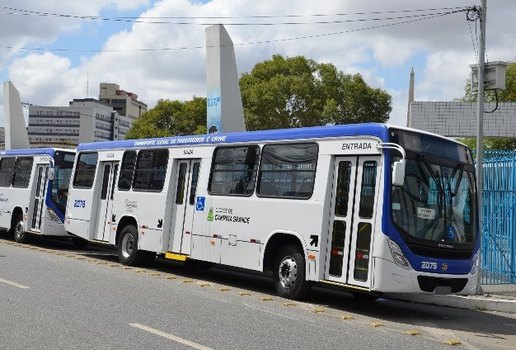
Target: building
{"x": 84, "y": 120}
{"x": 123, "y": 102}
{"x": 459, "y": 119}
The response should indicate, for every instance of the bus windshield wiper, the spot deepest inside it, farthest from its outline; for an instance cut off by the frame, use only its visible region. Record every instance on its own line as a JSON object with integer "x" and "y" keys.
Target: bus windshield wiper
{"x": 459, "y": 179}
{"x": 429, "y": 170}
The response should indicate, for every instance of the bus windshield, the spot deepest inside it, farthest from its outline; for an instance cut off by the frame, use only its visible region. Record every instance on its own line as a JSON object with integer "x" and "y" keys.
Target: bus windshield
{"x": 62, "y": 172}
{"x": 436, "y": 203}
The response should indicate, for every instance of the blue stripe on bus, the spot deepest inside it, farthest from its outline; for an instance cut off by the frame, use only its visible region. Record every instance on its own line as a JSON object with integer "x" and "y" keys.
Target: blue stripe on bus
{"x": 28, "y": 152}
{"x": 366, "y": 129}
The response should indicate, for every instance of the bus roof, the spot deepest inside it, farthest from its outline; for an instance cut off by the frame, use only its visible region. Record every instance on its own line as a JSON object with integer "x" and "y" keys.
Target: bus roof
{"x": 317, "y": 132}
{"x": 32, "y": 151}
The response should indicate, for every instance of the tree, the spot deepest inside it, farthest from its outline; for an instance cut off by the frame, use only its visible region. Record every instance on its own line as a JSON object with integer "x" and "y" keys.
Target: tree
{"x": 278, "y": 93}
{"x": 296, "y": 91}
{"x": 169, "y": 118}
{"x": 507, "y": 95}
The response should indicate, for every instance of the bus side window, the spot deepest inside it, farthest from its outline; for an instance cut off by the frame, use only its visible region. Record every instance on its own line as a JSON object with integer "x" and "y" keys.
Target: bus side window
{"x": 151, "y": 169}
{"x": 127, "y": 171}
{"x": 22, "y": 171}
{"x": 6, "y": 171}
{"x": 288, "y": 170}
{"x": 233, "y": 171}
{"x": 85, "y": 170}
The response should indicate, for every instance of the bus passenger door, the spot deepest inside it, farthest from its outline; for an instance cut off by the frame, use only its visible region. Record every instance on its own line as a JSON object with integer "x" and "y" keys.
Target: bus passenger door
{"x": 187, "y": 175}
{"x": 109, "y": 172}
{"x": 39, "y": 196}
{"x": 353, "y": 202}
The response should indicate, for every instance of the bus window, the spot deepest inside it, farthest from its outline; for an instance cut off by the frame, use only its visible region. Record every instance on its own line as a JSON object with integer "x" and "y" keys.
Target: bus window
{"x": 342, "y": 198}
{"x": 151, "y": 169}
{"x": 193, "y": 186}
{"x": 22, "y": 171}
{"x": 85, "y": 170}
{"x": 63, "y": 172}
{"x": 362, "y": 252}
{"x": 368, "y": 190}
{"x": 115, "y": 173}
{"x": 127, "y": 171}
{"x": 288, "y": 171}
{"x": 233, "y": 171}
{"x": 6, "y": 171}
{"x": 180, "y": 191}
{"x": 105, "y": 181}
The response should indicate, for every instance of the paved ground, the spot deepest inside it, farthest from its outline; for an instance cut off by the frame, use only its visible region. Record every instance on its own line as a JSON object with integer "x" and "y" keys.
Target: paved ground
{"x": 55, "y": 297}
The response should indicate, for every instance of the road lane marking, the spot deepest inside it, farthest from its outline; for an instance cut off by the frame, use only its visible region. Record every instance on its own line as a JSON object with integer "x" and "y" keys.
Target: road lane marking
{"x": 14, "y": 284}
{"x": 170, "y": 336}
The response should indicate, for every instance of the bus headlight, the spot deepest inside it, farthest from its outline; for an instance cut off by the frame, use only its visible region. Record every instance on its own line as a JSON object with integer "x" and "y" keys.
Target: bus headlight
{"x": 476, "y": 263}
{"x": 53, "y": 216}
{"x": 397, "y": 254}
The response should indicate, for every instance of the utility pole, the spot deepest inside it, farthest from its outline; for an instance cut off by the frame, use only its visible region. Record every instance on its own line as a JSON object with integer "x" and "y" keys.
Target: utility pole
{"x": 480, "y": 131}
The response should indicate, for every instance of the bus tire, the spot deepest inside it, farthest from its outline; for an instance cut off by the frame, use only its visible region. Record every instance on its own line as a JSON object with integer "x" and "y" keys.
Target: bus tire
{"x": 289, "y": 273}
{"x": 128, "y": 252}
{"x": 20, "y": 235}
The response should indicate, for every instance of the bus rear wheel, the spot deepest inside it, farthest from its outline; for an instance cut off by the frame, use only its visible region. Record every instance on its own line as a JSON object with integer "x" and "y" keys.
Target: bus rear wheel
{"x": 128, "y": 246}
{"x": 20, "y": 235}
{"x": 289, "y": 273}
{"x": 128, "y": 252}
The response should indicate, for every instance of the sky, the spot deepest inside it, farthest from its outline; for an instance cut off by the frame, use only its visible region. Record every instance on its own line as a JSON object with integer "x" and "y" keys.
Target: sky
{"x": 55, "y": 51}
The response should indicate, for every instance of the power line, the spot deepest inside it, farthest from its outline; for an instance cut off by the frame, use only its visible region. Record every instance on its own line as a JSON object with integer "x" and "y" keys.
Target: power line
{"x": 412, "y": 20}
{"x": 142, "y": 19}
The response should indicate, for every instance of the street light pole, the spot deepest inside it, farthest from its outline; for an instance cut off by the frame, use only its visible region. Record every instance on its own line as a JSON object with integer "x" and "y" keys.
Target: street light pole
{"x": 480, "y": 130}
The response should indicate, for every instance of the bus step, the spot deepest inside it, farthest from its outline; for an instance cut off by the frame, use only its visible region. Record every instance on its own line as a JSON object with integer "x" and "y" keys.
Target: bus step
{"x": 177, "y": 257}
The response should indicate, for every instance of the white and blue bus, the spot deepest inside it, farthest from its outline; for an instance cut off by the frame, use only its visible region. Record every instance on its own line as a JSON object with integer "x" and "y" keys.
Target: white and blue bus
{"x": 34, "y": 190}
{"x": 368, "y": 207}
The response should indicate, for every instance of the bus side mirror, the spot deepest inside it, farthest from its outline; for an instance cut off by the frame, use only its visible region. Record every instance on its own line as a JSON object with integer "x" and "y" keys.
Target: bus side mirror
{"x": 50, "y": 174}
{"x": 398, "y": 173}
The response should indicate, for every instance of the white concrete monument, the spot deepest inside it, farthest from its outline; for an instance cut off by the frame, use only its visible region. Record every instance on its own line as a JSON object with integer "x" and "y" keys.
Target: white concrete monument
{"x": 15, "y": 130}
{"x": 225, "y": 112}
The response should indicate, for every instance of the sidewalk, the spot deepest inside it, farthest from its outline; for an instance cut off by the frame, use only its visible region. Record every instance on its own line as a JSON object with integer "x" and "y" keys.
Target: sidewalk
{"x": 500, "y": 298}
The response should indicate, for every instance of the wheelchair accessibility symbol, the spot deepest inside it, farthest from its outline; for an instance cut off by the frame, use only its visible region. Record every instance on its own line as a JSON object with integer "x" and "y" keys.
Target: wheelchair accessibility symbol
{"x": 199, "y": 206}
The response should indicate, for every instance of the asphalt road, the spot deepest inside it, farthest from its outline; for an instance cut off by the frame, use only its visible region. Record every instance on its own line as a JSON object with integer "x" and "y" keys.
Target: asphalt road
{"x": 55, "y": 297}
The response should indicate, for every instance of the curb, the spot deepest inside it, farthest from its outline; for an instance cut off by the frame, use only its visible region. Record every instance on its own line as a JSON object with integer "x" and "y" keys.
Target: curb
{"x": 479, "y": 303}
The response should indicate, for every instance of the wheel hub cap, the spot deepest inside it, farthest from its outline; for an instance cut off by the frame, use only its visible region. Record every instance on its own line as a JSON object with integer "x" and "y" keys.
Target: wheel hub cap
{"x": 19, "y": 229}
{"x": 288, "y": 273}
{"x": 127, "y": 246}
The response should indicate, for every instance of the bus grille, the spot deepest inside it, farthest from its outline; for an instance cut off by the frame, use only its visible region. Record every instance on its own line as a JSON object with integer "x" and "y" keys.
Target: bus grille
{"x": 428, "y": 284}
{"x": 443, "y": 253}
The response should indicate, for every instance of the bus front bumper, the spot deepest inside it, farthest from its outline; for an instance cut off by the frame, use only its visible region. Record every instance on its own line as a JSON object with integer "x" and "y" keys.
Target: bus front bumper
{"x": 391, "y": 278}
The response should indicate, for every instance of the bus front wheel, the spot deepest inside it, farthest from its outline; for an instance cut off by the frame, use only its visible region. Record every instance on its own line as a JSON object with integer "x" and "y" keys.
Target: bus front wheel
{"x": 20, "y": 235}
{"x": 289, "y": 273}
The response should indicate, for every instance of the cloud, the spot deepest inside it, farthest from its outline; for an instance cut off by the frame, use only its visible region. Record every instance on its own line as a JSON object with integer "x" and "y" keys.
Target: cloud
{"x": 440, "y": 47}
